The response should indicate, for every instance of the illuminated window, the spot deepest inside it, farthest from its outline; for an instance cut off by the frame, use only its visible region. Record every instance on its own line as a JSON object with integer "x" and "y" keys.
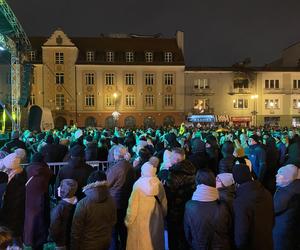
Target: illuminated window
{"x": 271, "y": 104}
{"x": 296, "y": 103}
{"x": 109, "y": 56}
{"x": 60, "y": 101}
{"x": 201, "y": 105}
{"x": 90, "y": 56}
{"x": 149, "y": 79}
{"x": 240, "y": 103}
{"x": 59, "y": 78}
{"x": 109, "y": 100}
{"x": 129, "y": 56}
{"x": 129, "y": 79}
{"x": 168, "y": 100}
{"x": 149, "y": 57}
{"x": 89, "y": 78}
{"x": 168, "y": 79}
{"x": 90, "y": 100}
{"x": 296, "y": 84}
{"x": 109, "y": 79}
{"x": 32, "y": 55}
{"x": 130, "y": 100}
{"x": 149, "y": 100}
{"x": 168, "y": 57}
{"x": 59, "y": 58}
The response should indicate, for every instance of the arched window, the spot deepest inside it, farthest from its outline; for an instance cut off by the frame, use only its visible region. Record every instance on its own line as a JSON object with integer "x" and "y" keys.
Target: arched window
{"x": 149, "y": 122}
{"x": 130, "y": 122}
{"x": 169, "y": 121}
{"x": 110, "y": 122}
{"x": 60, "y": 122}
{"x": 90, "y": 122}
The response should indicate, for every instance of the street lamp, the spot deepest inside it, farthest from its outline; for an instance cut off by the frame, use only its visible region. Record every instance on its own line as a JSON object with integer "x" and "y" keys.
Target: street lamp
{"x": 115, "y": 114}
{"x": 254, "y": 112}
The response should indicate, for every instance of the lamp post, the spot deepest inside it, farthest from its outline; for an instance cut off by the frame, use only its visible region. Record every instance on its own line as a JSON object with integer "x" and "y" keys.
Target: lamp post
{"x": 254, "y": 112}
{"x": 115, "y": 114}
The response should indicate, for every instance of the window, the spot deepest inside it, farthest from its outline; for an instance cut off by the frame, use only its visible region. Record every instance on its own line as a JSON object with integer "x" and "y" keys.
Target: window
{"x": 130, "y": 100}
{"x": 149, "y": 79}
{"x": 89, "y": 78}
{"x": 168, "y": 57}
{"x": 90, "y": 56}
{"x": 271, "y": 104}
{"x": 149, "y": 57}
{"x": 32, "y": 99}
{"x": 201, "y": 84}
{"x": 32, "y": 55}
{"x": 109, "y": 101}
{"x": 296, "y": 84}
{"x": 296, "y": 103}
{"x": 129, "y": 56}
{"x": 272, "y": 84}
{"x": 168, "y": 79}
{"x": 168, "y": 100}
{"x": 241, "y": 83}
{"x": 201, "y": 105}
{"x": 60, "y": 101}
{"x": 109, "y": 79}
{"x": 129, "y": 79}
{"x": 149, "y": 100}
{"x": 59, "y": 78}
{"x": 59, "y": 58}
{"x": 109, "y": 56}
{"x": 240, "y": 103}
{"x": 90, "y": 100}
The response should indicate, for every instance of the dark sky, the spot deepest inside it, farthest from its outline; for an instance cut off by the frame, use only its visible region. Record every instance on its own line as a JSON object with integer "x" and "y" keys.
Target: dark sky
{"x": 217, "y": 32}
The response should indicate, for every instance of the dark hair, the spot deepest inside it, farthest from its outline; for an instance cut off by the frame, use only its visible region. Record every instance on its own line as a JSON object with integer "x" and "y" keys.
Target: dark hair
{"x": 206, "y": 177}
{"x": 97, "y": 175}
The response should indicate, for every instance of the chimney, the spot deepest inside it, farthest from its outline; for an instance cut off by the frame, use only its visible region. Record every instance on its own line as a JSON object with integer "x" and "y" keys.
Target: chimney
{"x": 180, "y": 40}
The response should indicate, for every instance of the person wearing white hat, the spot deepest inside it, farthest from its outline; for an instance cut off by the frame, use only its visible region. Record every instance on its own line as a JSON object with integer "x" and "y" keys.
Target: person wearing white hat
{"x": 146, "y": 211}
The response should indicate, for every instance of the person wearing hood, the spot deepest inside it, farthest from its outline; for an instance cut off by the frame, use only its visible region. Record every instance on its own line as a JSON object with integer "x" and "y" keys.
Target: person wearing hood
{"x": 198, "y": 156}
{"x": 207, "y": 221}
{"x": 179, "y": 188}
{"x": 76, "y": 169}
{"x": 62, "y": 214}
{"x": 94, "y": 217}
{"x": 226, "y": 188}
{"x": 253, "y": 212}
{"x": 146, "y": 211}
{"x": 13, "y": 210}
{"x": 37, "y": 205}
{"x": 227, "y": 162}
{"x": 287, "y": 209}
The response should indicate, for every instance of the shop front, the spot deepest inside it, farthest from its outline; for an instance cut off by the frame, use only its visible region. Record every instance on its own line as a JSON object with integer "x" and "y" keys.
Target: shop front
{"x": 272, "y": 121}
{"x": 243, "y": 121}
{"x": 296, "y": 122}
{"x": 202, "y": 120}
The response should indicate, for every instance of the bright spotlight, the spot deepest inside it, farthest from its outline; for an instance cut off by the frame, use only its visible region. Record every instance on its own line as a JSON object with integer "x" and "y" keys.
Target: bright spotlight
{"x": 2, "y": 48}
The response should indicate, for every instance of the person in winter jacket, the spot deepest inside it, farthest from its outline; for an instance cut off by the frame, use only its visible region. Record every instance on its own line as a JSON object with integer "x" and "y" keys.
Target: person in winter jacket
{"x": 253, "y": 212}
{"x": 226, "y": 189}
{"x": 62, "y": 214}
{"x": 198, "y": 156}
{"x": 13, "y": 210}
{"x": 120, "y": 178}
{"x": 37, "y": 205}
{"x": 76, "y": 169}
{"x": 91, "y": 149}
{"x": 146, "y": 211}
{"x": 94, "y": 217}
{"x": 179, "y": 188}
{"x": 207, "y": 221}
{"x": 287, "y": 209}
{"x": 227, "y": 162}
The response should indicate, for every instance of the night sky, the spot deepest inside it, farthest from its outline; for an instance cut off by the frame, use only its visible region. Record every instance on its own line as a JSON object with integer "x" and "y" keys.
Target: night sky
{"x": 217, "y": 32}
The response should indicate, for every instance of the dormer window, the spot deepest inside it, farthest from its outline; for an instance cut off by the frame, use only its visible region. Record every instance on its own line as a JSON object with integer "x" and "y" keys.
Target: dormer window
{"x": 59, "y": 58}
{"x": 90, "y": 56}
{"x": 168, "y": 56}
{"x": 32, "y": 55}
{"x": 149, "y": 57}
{"x": 109, "y": 56}
{"x": 129, "y": 57}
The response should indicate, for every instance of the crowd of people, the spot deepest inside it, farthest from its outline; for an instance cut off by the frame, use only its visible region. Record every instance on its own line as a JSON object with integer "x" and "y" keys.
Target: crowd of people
{"x": 165, "y": 188}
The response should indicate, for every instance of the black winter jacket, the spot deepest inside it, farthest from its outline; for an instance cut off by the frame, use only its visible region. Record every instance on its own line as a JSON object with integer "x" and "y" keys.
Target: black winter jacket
{"x": 287, "y": 217}
{"x": 93, "y": 220}
{"x": 226, "y": 164}
{"x": 207, "y": 225}
{"x": 253, "y": 217}
{"x": 61, "y": 222}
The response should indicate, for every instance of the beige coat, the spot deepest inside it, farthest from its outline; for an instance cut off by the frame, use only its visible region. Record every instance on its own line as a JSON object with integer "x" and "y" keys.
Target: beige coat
{"x": 145, "y": 216}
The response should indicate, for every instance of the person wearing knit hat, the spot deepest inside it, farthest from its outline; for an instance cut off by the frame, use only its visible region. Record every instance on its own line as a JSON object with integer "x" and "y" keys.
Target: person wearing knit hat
{"x": 11, "y": 165}
{"x": 287, "y": 209}
{"x": 100, "y": 209}
{"x": 204, "y": 213}
{"x": 146, "y": 211}
{"x": 226, "y": 188}
{"x": 251, "y": 196}
{"x": 62, "y": 214}
{"x": 224, "y": 180}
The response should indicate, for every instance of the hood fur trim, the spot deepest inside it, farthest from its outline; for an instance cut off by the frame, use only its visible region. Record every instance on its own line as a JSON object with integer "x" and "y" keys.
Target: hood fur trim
{"x": 94, "y": 185}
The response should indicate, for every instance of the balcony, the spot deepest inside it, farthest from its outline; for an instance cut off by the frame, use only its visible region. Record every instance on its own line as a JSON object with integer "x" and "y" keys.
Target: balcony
{"x": 276, "y": 91}
{"x": 202, "y": 92}
{"x": 241, "y": 91}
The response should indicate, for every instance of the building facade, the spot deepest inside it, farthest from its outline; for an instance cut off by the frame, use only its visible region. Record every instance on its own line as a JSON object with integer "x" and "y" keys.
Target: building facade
{"x": 124, "y": 80}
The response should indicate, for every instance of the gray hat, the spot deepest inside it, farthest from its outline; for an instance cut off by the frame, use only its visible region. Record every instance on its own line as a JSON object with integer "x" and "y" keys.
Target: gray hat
{"x": 68, "y": 188}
